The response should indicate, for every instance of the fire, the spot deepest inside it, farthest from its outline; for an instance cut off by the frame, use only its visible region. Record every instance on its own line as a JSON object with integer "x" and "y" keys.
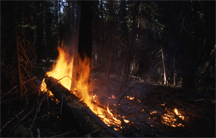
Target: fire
{"x": 129, "y": 97}
{"x": 178, "y": 114}
{"x": 170, "y": 120}
{"x": 64, "y": 68}
{"x": 153, "y": 112}
{"x": 43, "y": 88}
{"x": 126, "y": 121}
{"x": 113, "y": 97}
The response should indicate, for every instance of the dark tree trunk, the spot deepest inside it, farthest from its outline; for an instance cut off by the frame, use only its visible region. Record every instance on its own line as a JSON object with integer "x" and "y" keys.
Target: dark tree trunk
{"x": 60, "y": 27}
{"x": 188, "y": 67}
{"x": 112, "y": 44}
{"x": 48, "y": 29}
{"x": 122, "y": 18}
{"x": 85, "y": 33}
{"x": 188, "y": 70}
{"x": 126, "y": 67}
{"x": 75, "y": 42}
{"x": 85, "y": 30}
{"x": 40, "y": 32}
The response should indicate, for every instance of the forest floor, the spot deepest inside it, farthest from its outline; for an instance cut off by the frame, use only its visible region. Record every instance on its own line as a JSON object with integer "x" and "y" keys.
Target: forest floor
{"x": 147, "y": 104}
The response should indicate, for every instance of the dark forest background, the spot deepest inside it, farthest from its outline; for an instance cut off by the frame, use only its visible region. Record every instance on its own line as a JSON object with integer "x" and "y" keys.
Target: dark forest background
{"x": 163, "y": 40}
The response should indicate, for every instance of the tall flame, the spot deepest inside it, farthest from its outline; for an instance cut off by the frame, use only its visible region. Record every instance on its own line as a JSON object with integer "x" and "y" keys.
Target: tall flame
{"x": 64, "y": 67}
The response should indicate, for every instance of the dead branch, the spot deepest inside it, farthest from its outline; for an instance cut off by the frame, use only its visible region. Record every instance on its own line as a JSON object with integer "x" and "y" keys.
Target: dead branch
{"x": 17, "y": 86}
{"x": 20, "y": 121}
{"x": 11, "y": 120}
{"x": 9, "y": 91}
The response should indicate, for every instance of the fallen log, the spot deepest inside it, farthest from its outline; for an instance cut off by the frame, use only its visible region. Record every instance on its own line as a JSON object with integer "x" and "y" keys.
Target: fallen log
{"x": 85, "y": 120}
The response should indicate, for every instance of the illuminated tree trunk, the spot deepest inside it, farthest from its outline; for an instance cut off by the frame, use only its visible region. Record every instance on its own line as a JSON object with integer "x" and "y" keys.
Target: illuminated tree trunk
{"x": 175, "y": 74}
{"x": 164, "y": 67}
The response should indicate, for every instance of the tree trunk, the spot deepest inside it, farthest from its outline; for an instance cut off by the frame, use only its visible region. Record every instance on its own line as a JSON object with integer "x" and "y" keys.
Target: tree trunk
{"x": 126, "y": 67}
{"x": 164, "y": 67}
{"x": 85, "y": 30}
{"x": 60, "y": 26}
{"x": 175, "y": 74}
{"x": 112, "y": 39}
{"x": 188, "y": 68}
{"x": 85, "y": 33}
{"x": 75, "y": 42}
{"x": 188, "y": 71}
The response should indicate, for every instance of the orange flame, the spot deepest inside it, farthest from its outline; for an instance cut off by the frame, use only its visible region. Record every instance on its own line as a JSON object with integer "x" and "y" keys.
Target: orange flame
{"x": 64, "y": 67}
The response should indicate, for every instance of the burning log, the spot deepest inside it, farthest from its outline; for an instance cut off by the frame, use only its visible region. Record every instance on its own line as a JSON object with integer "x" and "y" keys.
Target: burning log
{"x": 85, "y": 120}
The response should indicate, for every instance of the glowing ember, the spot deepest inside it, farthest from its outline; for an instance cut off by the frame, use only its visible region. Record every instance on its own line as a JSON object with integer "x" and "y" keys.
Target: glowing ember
{"x": 153, "y": 112}
{"x": 126, "y": 121}
{"x": 113, "y": 97}
{"x": 170, "y": 120}
{"x": 64, "y": 67}
{"x": 130, "y": 98}
{"x": 163, "y": 104}
{"x": 178, "y": 114}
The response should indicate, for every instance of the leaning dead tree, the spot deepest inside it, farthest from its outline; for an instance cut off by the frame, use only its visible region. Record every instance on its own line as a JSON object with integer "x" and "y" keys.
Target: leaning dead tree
{"x": 83, "y": 118}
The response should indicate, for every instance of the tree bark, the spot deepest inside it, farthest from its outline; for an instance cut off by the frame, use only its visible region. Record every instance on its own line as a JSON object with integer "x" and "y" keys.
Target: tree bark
{"x": 188, "y": 71}
{"x": 85, "y": 30}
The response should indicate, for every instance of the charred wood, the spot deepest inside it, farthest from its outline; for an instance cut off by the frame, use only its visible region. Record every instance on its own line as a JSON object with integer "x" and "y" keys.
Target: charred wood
{"x": 82, "y": 117}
